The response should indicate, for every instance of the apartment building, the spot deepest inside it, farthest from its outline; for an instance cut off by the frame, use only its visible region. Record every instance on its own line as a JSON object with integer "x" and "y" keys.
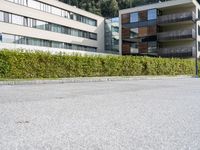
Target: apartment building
{"x": 50, "y": 26}
{"x": 164, "y": 28}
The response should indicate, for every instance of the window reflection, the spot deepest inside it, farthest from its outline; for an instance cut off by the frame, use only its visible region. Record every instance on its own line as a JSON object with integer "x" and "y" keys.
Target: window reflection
{"x": 152, "y": 14}
{"x": 15, "y": 39}
{"x": 134, "y": 17}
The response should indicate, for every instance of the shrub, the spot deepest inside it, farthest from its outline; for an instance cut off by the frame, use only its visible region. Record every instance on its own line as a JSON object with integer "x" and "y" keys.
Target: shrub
{"x": 23, "y": 64}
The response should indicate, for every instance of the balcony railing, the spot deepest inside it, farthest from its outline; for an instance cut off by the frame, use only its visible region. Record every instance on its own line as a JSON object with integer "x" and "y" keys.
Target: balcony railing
{"x": 176, "y": 51}
{"x": 176, "y": 35}
{"x": 178, "y": 17}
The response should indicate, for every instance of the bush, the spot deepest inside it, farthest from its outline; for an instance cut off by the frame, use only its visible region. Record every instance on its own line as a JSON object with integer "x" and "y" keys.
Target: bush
{"x": 22, "y": 64}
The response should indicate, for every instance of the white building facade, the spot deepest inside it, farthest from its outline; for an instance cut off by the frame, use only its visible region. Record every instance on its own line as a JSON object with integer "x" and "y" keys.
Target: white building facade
{"x": 50, "y": 26}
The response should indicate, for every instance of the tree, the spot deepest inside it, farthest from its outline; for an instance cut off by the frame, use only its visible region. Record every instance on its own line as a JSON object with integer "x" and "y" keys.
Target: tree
{"x": 109, "y": 8}
{"x": 106, "y": 8}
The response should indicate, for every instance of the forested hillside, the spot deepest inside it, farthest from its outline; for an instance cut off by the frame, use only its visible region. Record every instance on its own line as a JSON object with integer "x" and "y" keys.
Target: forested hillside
{"x": 106, "y": 8}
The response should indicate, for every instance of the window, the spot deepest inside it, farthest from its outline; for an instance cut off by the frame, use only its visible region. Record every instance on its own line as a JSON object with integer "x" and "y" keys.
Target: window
{"x": 152, "y": 14}
{"x": 134, "y": 32}
{"x": 134, "y": 48}
{"x": 198, "y": 45}
{"x": 48, "y": 26}
{"x": 34, "y": 4}
{"x": 45, "y": 7}
{"x": 17, "y": 20}
{"x": 152, "y": 47}
{"x": 74, "y": 32}
{"x": 7, "y": 18}
{"x": 0, "y": 37}
{"x": 64, "y": 14}
{"x": 115, "y": 29}
{"x": 57, "y": 44}
{"x": 6, "y": 38}
{"x": 134, "y": 17}
{"x": 56, "y": 11}
{"x": 40, "y": 24}
{"x": 20, "y": 40}
{"x": 199, "y": 14}
{"x": 1, "y": 16}
{"x": 198, "y": 30}
{"x": 25, "y": 21}
{"x": 93, "y": 36}
{"x": 56, "y": 28}
{"x": 33, "y": 23}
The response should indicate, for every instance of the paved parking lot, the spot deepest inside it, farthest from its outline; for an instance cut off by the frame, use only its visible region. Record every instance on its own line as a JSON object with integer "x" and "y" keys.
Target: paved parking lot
{"x": 162, "y": 114}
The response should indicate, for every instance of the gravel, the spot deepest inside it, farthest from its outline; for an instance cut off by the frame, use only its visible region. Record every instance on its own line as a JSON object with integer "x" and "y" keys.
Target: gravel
{"x": 154, "y": 114}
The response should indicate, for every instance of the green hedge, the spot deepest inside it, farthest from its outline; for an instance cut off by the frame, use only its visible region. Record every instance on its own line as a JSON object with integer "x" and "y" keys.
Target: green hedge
{"x": 21, "y": 64}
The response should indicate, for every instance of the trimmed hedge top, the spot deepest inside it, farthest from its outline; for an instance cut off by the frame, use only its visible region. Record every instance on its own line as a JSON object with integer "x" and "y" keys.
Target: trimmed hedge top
{"x": 23, "y": 64}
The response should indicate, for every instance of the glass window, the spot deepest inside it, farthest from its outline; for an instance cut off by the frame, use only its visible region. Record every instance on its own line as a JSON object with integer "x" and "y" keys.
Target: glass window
{"x": 34, "y": 24}
{"x": 57, "y": 44}
{"x": 198, "y": 45}
{"x": 134, "y": 48}
{"x": 93, "y": 36}
{"x": 1, "y": 16}
{"x": 199, "y": 14}
{"x": 48, "y": 26}
{"x": 152, "y": 14}
{"x": 75, "y": 17}
{"x": 56, "y": 11}
{"x": 7, "y": 17}
{"x": 152, "y": 47}
{"x": 199, "y": 30}
{"x": 56, "y": 28}
{"x": 134, "y": 17}
{"x": 20, "y": 40}
{"x": 134, "y": 32}
{"x": 74, "y": 32}
{"x": 34, "y": 4}
{"x": 0, "y": 37}
{"x": 65, "y": 14}
{"x": 46, "y": 43}
{"x": 6, "y": 38}
{"x": 17, "y": 20}
{"x": 40, "y": 25}
{"x": 25, "y": 21}
{"x": 45, "y": 7}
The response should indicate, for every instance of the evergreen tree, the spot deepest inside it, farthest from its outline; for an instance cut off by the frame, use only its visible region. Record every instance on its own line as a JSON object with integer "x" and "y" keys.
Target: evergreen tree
{"x": 106, "y": 8}
{"x": 109, "y": 8}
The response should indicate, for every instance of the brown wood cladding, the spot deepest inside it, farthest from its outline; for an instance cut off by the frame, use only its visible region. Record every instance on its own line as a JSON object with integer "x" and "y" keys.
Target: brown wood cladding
{"x": 152, "y": 30}
{"x": 143, "y": 31}
{"x": 143, "y": 48}
{"x": 125, "y": 33}
{"x": 125, "y": 18}
{"x": 147, "y": 31}
{"x": 143, "y": 15}
{"x": 126, "y": 48}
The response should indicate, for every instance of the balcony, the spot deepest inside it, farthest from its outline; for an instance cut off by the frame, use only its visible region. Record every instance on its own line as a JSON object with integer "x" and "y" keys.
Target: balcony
{"x": 176, "y": 35}
{"x": 178, "y": 17}
{"x": 176, "y": 51}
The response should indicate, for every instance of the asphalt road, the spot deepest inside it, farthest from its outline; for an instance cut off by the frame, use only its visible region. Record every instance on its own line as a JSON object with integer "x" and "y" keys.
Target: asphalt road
{"x": 119, "y": 115}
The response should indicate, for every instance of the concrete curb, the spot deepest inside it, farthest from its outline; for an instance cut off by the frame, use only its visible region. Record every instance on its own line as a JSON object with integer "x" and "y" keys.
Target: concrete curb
{"x": 88, "y": 79}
